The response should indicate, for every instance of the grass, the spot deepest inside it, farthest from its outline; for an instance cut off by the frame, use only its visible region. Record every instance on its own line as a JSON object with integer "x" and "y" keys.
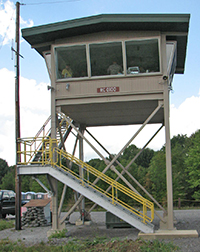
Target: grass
{"x": 5, "y": 224}
{"x": 59, "y": 234}
{"x": 157, "y": 246}
{"x": 98, "y": 244}
{"x": 75, "y": 245}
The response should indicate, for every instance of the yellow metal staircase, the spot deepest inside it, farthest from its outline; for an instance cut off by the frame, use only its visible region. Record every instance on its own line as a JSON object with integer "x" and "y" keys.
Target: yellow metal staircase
{"x": 51, "y": 162}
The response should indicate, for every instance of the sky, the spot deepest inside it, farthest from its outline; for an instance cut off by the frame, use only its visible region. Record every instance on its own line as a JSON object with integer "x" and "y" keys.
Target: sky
{"x": 34, "y": 78}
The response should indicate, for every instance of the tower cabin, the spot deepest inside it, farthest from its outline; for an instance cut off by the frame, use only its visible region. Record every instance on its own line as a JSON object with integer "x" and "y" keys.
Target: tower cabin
{"x": 114, "y": 69}
{"x": 146, "y": 50}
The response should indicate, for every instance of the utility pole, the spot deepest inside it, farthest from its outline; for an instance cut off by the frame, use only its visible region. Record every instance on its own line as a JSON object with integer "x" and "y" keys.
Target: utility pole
{"x": 17, "y": 123}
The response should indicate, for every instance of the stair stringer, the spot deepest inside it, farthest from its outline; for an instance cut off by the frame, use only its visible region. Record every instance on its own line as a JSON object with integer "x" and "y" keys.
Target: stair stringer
{"x": 89, "y": 192}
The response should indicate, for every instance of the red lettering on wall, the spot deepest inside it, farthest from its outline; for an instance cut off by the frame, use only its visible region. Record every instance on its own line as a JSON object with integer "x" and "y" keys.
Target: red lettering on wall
{"x": 107, "y": 89}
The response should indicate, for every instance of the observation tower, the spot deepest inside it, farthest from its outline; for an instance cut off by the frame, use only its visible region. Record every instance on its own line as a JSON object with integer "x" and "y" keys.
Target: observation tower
{"x": 109, "y": 69}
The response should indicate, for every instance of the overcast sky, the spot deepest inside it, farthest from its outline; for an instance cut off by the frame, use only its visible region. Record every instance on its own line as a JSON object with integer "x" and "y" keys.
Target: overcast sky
{"x": 35, "y": 99}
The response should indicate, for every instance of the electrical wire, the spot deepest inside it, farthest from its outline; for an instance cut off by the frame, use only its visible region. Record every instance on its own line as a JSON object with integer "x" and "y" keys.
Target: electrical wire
{"x": 53, "y": 2}
{"x": 39, "y": 3}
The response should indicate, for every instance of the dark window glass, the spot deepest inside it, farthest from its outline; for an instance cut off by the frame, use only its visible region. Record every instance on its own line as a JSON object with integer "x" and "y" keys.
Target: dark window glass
{"x": 106, "y": 59}
{"x": 142, "y": 56}
{"x": 71, "y": 62}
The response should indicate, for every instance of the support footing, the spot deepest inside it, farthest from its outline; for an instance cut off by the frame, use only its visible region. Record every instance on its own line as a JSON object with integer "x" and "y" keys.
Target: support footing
{"x": 169, "y": 234}
{"x": 53, "y": 231}
{"x": 79, "y": 222}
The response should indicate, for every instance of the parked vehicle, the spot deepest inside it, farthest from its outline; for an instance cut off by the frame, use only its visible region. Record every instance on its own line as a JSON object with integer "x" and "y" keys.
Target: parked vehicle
{"x": 7, "y": 203}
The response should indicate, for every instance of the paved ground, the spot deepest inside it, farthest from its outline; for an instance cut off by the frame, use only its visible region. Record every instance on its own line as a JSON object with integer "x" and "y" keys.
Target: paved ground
{"x": 186, "y": 220}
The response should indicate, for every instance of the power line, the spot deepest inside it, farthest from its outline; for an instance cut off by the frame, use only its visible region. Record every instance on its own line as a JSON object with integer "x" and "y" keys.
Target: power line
{"x": 53, "y": 2}
{"x": 39, "y": 3}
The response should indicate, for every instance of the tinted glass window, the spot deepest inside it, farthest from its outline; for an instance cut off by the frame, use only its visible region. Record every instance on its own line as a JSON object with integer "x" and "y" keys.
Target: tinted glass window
{"x": 142, "y": 56}
{"x": 106, "y": 59}
{"x": 5, "y": 195}
{"x": 71, "y": 62}
{"x": 12, "y": 194}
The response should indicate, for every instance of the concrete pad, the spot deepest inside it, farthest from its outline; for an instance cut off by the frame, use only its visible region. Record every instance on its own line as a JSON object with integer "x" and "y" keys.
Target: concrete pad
{"x": 80, "y": 223}
{"x": 169, "y": 234}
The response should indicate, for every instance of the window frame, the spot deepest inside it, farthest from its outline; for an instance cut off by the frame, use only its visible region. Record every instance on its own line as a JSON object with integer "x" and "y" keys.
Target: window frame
{"x": 101, "y": 43}
{"x": 56, "y": 61}
{"x": 124, "y": 59}
{"x": 159, "y": 55}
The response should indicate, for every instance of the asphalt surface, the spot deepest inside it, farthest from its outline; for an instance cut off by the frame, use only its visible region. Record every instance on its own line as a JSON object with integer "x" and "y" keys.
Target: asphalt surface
{"x": 185, "y": 220}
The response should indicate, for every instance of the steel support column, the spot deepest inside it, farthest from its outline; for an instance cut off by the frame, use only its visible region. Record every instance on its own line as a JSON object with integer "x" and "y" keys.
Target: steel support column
{"x": 81, "y": 171}
{"x": 170, "y": 216}
{"x": 53, "y": 181}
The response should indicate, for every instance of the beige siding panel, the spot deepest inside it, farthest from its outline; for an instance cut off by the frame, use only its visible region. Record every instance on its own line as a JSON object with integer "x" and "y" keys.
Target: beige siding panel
{"x": 107, "y": 36}
{"x": 110, "y": 99}
{"x": 88, "y": 88}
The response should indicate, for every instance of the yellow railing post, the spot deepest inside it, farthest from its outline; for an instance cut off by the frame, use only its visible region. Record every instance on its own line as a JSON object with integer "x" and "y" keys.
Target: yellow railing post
{"x": 144, "y": 211}
{"x": 113, "y": 192}
{"x": 25, "y": 152}
{"x": 88, "y": 175}
{"x": 82, "y": 174}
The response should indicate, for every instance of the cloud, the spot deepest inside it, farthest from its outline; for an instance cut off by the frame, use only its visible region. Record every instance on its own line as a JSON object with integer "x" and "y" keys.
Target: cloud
{"x": 7, "y": 22}
{"x": 34, "y": 110}
{"x": 185, "y": 119}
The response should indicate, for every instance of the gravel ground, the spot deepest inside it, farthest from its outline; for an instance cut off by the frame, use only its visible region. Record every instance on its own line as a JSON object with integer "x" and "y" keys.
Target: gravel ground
{"x": 186, "y": 220}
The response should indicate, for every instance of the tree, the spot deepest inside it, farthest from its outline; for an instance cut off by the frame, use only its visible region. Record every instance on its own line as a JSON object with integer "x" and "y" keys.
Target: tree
{"x": 8, "y": 181}
{"x": 156, "y": 177}
{"x": 130, "y": 153}
{"x": 4, "y": 168}
{"x": 179, "y": 149}
{"x": 145, "y": 157}
{"x": 192, "y": 163}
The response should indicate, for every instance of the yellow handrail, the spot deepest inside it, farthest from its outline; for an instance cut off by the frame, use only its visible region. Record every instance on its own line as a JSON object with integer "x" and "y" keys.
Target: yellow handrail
{"x": 36, "y": 143}
{"x": 54, "y": 156}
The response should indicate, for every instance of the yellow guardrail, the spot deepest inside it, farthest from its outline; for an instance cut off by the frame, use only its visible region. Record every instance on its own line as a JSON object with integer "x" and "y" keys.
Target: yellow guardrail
{"x": 35, "y": 145}
{"x": 30, "y": 147}
{"x": 54, "y": 156}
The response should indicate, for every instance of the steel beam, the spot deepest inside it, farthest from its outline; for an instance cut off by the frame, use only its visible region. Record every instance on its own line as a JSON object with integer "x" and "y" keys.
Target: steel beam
{"x": 65, "y": 186}
{"x": 170, "y": 215}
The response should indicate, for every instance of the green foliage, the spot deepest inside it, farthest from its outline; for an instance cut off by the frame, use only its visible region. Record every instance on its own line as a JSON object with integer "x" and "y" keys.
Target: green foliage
{"x": 179, "y": 147}
{"x": 157, "y": 246}
{"x": 4, "y": 168}
{"x": 192, "y": 163}
{"x": 157, "y": 177}
{"x": 130, "y": 153}
{"x": 149, "y": 169}
{"x": 8, "y": 181}
{"x": 59, "y": 234}
{"x": 34, "y": 186}
{"x": 4, "y": 224}
{"x": 94, "y": 245}
{"x": 145, "y": 157}
{"x": 95, "y": 241}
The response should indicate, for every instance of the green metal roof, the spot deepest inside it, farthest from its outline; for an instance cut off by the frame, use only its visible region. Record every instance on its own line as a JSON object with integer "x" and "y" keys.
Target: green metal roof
{"x": 41, "y": 37}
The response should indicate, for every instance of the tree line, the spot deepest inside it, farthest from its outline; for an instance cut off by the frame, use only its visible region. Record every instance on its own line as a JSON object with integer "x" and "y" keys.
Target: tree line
{"x": 149, "y": 169}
